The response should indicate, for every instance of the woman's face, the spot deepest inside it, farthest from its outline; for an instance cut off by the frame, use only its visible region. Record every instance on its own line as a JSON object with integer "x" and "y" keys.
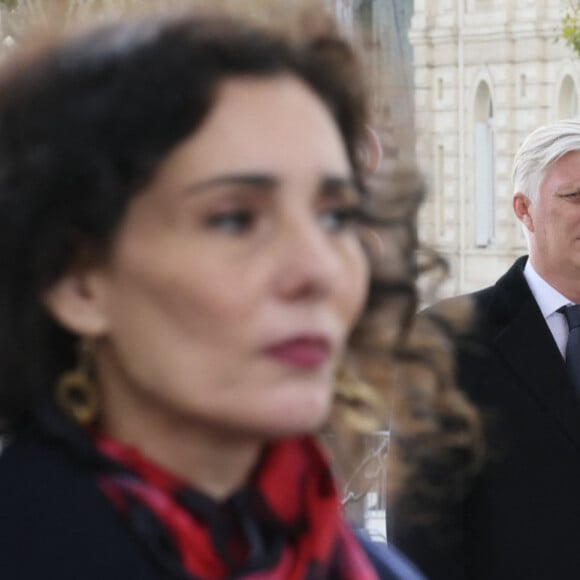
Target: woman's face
{"x": 236, "y": 275}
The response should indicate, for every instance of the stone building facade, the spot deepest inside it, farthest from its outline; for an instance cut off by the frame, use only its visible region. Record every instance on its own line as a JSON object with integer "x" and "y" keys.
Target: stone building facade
{"x": 487, "y": 72}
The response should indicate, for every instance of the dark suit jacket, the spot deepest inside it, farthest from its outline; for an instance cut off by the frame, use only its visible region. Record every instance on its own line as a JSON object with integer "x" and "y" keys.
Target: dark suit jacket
{"x": 55, "y": 524}
{"x": 520, "y": 518}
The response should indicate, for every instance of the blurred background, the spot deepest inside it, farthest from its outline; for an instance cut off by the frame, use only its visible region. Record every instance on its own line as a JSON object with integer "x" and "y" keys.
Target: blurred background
{"x": 456, "y": 85}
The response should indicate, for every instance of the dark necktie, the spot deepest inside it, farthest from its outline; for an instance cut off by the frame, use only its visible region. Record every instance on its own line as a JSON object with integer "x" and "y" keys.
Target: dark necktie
{"x": 572, "y": 314}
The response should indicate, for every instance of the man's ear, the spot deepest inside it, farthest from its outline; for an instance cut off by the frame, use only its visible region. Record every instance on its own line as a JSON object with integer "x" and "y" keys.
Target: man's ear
{"x": 74, "y": 301}
{"x": 521, "y": 205}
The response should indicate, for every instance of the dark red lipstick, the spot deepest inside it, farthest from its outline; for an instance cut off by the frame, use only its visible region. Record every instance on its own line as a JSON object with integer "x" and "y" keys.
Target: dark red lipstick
{"x": 303, "y": 352}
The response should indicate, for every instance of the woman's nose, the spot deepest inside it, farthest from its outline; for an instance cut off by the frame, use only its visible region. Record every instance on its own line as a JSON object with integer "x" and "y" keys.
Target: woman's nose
{"x": 310, "y": 264}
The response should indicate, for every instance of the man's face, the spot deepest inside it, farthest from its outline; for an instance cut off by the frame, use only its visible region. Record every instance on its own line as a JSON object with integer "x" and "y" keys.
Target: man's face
{"x": 553, "y": 223}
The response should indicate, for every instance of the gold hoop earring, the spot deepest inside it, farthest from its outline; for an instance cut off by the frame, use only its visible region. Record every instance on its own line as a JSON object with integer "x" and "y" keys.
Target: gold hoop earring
{"x": 76, "y": 390}
{"x": 361, "y": 406}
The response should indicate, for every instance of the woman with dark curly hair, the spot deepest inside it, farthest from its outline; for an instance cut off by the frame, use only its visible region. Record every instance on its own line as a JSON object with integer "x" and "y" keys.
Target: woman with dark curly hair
{"x": 187, "y": 262}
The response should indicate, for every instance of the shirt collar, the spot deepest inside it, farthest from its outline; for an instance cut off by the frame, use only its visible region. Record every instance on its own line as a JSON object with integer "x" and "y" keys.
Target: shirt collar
{"x": 548, "y": 298}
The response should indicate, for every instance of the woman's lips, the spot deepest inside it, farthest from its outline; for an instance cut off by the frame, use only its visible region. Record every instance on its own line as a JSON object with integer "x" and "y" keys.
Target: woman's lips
{"x": 301, "y": 352}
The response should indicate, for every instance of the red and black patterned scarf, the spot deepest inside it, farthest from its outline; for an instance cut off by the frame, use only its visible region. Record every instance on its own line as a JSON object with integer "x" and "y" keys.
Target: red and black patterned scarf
{"x": 286, "y": 524}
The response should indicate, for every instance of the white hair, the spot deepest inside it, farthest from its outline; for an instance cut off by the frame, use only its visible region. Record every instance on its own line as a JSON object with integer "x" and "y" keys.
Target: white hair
{"x": 539, "y": 150}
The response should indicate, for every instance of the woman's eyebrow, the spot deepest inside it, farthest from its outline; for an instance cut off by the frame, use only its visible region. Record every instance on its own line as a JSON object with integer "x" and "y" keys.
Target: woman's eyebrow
{"x": 261, "y": 181}
{"x": 328, "y": 184}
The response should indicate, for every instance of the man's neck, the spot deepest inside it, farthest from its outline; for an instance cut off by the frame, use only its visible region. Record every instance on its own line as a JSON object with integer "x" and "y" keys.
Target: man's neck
{"x": 567, "y": 286}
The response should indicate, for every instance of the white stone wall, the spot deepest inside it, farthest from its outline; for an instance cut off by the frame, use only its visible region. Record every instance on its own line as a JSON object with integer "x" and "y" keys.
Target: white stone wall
{"x": 510, "y": 45}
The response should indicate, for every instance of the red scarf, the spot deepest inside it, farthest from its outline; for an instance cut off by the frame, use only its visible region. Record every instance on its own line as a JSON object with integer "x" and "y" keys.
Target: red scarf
{"x": 286, "y": 524}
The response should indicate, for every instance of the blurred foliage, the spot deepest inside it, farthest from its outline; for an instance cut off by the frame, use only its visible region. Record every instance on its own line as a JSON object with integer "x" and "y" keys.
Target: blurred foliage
{"x": 571, "y": 28}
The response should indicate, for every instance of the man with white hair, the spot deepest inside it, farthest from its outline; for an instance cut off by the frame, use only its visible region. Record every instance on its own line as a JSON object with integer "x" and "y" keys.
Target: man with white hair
{"x": 520, "y": 516}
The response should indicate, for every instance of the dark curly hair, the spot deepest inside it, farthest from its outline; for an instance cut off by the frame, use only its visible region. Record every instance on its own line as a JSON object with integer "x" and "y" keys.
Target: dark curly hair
{"x": 84, "y": 125}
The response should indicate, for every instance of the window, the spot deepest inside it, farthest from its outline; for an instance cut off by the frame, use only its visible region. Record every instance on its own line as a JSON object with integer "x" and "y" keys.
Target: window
{"x": 523, "y": 85}
{"x": 440, "y": 189}
{"x": 439, "y": 88}
{"x": 484, "y": 171}
{"x": 567, "y": 99}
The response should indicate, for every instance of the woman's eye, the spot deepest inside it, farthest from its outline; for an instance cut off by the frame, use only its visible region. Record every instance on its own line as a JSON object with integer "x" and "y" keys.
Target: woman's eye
{"x": 234, "y": 222}
{"x": 339, "y": 218}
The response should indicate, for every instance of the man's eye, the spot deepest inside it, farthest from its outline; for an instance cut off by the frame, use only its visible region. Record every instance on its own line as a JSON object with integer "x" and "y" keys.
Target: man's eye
{"x": 233, "y": 222}
{"x": 572, "y": 197}
{"x": 340, "y": 218}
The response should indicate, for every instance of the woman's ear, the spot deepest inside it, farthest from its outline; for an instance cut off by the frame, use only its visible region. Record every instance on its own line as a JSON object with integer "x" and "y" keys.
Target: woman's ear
{"x": 372, "y": 151}
{"x": 74, "y": 301}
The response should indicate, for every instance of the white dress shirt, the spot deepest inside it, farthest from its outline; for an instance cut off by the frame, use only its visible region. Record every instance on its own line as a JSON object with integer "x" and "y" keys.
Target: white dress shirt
{"x": 549, "y": 300}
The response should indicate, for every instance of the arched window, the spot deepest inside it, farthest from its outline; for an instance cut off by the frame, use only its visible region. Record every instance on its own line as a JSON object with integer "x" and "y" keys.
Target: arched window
{"x": 484, "y": 177}
{"x": 567, "y": 99}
